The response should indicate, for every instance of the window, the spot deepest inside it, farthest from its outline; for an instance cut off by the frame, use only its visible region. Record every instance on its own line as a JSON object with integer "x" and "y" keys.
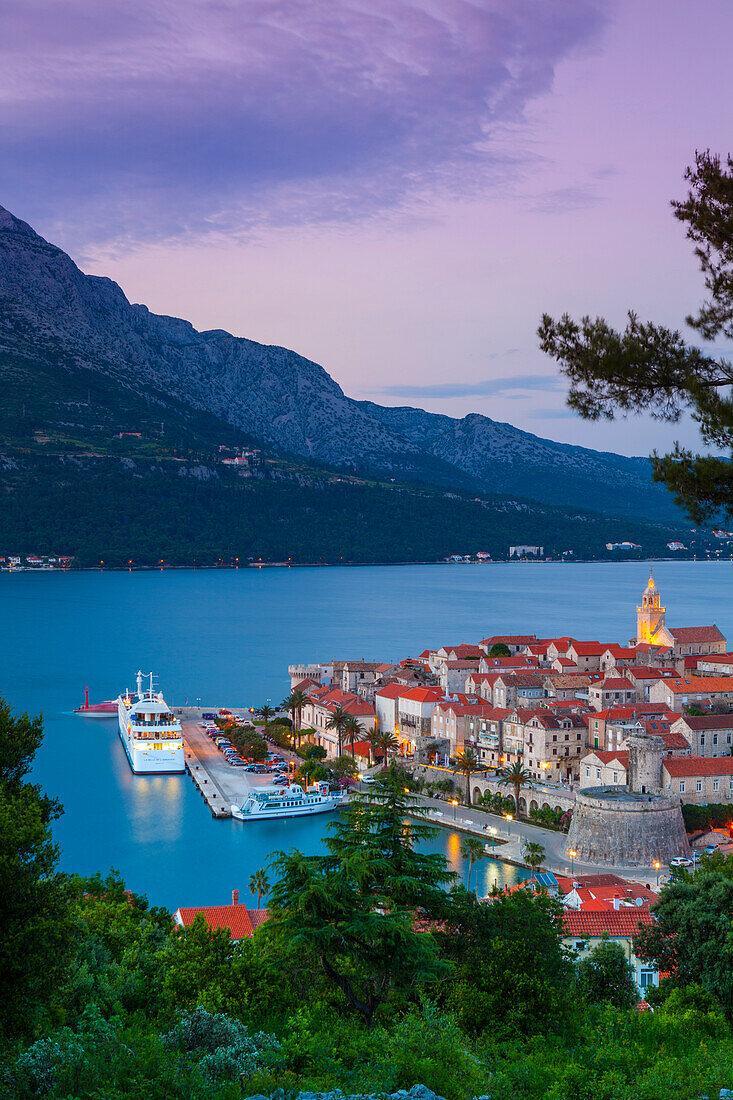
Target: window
{"x": 598, "y": 773}
{"x": 716, "y": 784}
{"x": 715, "y": 738}
{"x": 702, "y": 740}
{"x": 646, "y": 978}
{"x": 580, "y": 945}
{"x": 587, "y": 774}
{"x": 698, "y": 785}
{"x": 682, "y": 786}
{"x": 614, "y": 777}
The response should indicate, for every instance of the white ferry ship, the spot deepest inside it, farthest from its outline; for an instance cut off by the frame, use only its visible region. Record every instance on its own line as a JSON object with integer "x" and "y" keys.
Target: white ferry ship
{"x": 292, "y": 801}
{"x": 151, "y": 734}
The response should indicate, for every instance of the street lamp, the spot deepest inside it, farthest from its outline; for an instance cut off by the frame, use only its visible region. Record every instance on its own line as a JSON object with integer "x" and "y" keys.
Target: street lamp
{"x": 509, "y": 819}
{"x": 454, "y": 808}
{"x": 657, "y": 865}
{"x": 572, "y": 853}
{"x": 493, "y": 831}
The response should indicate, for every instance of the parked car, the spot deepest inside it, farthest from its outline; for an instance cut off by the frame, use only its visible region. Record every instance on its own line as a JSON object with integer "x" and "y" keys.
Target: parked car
{"x": 368, "y": 779}
{"x": 680, "y": 861}
{"x": 709, "y": 849}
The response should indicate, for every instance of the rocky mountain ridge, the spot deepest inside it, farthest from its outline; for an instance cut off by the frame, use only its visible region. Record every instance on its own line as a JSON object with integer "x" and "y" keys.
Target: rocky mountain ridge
{"x": 50, "y": 311}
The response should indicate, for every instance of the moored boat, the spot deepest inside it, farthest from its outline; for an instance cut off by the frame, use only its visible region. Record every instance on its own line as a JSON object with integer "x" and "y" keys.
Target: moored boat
{"x": 291, "y": 801}
{"x": 107, "y": 709}
{"x": 150, "y": 732}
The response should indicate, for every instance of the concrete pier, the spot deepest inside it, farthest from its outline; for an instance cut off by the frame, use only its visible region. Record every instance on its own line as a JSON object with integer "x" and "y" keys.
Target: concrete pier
{"x": 219, "y": 783}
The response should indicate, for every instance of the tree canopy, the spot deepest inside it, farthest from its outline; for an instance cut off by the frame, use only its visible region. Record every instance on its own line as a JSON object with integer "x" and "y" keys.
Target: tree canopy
{"x": 651, "y": 368}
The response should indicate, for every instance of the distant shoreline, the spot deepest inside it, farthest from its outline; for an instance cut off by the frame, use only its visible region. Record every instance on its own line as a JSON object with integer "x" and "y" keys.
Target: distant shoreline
{"x": 351, "y": 565}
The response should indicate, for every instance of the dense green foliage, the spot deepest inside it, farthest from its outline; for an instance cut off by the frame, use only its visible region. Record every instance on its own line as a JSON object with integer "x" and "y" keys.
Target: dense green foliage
{"x": 650, "y": 368}
{"x": 605, "y": 974}
{"x": 421, "y": 982}
{"x": 713, "y": 815}
{"x": 691, "y": 938}
{"x": 36, "y": 930}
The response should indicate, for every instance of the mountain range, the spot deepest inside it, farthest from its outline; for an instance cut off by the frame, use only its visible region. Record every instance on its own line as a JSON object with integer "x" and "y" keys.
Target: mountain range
{"x": 73, "y": 329}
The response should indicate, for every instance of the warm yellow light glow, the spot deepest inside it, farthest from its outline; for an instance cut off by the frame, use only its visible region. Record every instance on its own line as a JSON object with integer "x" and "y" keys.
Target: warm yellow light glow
{"x": 454, "y": 802}
{"x": 509, "y": 817}
{"x": 572, "y": 852}
{"x": 657, "y": 865}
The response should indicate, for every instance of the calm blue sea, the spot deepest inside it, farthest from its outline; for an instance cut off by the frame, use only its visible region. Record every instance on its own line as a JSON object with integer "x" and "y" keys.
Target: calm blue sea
{"x": 223, "y": 636}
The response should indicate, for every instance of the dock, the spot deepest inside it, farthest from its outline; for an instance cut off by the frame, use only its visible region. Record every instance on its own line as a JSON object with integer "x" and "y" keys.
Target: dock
{"x": 219, "y": 783}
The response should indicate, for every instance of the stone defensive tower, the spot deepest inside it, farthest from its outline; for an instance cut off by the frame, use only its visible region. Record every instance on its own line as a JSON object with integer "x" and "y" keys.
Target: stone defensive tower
{"x": 630, "y": 826}
{"x": 645, "y": 763}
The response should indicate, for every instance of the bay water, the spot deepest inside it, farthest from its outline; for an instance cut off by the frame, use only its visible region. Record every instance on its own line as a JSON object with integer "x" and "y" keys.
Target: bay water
{"x": 226, "y": 637}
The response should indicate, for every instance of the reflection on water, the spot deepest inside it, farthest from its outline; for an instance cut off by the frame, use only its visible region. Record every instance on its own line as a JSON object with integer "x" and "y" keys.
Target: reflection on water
{"x": 230, "y": 635}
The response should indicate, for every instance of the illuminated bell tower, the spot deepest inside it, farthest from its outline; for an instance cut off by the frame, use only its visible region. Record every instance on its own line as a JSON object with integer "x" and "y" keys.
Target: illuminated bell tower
{"x": 650, "y": 616}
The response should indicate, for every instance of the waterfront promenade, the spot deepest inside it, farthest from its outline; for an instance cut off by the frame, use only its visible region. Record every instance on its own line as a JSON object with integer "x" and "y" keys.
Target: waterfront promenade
{"x": 472, "y": 820}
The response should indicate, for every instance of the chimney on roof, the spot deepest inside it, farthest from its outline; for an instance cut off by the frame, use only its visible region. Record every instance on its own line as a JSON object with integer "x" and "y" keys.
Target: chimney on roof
{"x": 235, "y": 897}
{"x": 616, "y": 902}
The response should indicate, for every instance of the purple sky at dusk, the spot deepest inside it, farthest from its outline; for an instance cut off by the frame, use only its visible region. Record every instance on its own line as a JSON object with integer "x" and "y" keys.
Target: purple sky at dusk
{"x": 394, "y": 189}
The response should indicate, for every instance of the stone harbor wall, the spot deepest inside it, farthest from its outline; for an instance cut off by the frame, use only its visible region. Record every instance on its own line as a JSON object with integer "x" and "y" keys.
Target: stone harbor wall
{"x": 537, "y": 796}
{"x": 615, "y": 826}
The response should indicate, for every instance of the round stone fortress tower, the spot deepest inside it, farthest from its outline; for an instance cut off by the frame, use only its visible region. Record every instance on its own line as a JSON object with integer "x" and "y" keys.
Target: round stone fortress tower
{"x": 634, "y": 825}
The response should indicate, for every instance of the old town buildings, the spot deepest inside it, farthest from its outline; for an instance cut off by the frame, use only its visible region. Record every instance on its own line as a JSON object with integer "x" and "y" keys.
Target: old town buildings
{"x": 562, "y": 707}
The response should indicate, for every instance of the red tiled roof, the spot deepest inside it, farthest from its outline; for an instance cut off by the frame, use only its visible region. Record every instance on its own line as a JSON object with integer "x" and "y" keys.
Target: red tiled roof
{"x": 621, "y": 922}
{"x": 306, "y": 685}
{"x": 699, "y": 685}
{"x": 521, "y": 660}
{"x": 685, "y": 634}
{"x": 361, "y": 748}
{"x": 601, "y": 898}
{"x": 468, "y": 665}
{"x": 671, "y": 740}
{"x": 464, "y": 651}
{"x": 422, "y": 694}
{"x": 645, "y": 672}
{"x": 606, "y": 756}
{"x": 620, "y": 651}
{"x": 719, "y": 658}
{"x": 708, "y": 721}
{"x": 638, "y": 710}
{"x": 521, "y": 679}
{"x": 680, "y": 766}
{"x": 238, "y": 919}
{"x": 588, "y": 649}
{"x": 391, "y": 691}
{"x": 614, "y": 683}
{"x": 510, "y": 639}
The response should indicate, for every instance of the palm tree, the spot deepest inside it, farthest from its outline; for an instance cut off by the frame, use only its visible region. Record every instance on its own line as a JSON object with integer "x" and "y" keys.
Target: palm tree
{"x": 386, "y": 742}
{"x": 259, "y": 884}
{"x": 373, "y": 737}
{"x": 266, "y": 713}
{"x": 294, "y": 705}
{"x": 517, "y": 777}
{"x": 352, "y": 729}
{"x": 337, "y": 722}
{"x": 472, "y": 850}
{"x": 467, "y": 763}
{"x": 534, "y": 855}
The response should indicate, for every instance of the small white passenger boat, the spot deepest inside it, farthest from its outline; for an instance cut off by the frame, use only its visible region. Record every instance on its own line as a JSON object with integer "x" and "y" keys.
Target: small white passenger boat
{"x": 290, "y": 801}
